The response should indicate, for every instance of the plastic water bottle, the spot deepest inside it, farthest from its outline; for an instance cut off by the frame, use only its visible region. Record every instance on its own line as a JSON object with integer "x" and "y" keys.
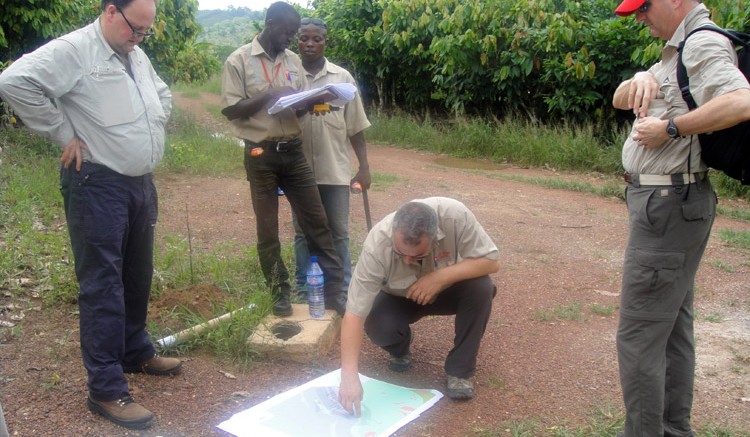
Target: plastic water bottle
{"x": 315, "y": 296}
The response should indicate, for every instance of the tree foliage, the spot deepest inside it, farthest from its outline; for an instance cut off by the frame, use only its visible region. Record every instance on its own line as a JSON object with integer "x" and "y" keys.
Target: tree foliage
{"x": 551, "y": 59}
{"x": 27, "y": 24}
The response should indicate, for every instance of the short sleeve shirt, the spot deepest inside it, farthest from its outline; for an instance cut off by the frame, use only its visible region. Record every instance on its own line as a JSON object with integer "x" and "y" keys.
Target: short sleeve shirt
{"x": 249, "y": 70}
{"x": 325, "y": 139}
{"x": 459, "y": 237}
{"x": 711, "y": 64}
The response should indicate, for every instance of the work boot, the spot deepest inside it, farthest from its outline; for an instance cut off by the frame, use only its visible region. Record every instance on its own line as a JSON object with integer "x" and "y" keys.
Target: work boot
{"x": 156, "y": 365}
{"x": 459, "y": 388}
{"x": 282, "y": 307}
{"x": 124, "y": 412}
{"x": 336, "y": 303}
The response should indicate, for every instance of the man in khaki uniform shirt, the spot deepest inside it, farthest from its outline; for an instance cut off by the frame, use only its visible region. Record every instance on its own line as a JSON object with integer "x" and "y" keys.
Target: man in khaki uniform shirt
{"x": 671, "y": 206}
{"x": 325, "y": 141}
{"x": 255, "y": 76}
{"x": 431, "y": 257}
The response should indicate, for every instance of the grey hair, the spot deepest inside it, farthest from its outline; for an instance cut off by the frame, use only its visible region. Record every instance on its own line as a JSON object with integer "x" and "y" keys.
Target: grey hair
{"x": 415, "y": 220}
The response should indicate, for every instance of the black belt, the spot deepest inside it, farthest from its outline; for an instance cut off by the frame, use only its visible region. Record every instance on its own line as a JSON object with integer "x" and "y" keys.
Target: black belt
{"x": 279, "y": 146}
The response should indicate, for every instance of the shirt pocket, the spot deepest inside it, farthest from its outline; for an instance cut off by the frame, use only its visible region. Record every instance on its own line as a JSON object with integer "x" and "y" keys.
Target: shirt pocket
{"x": 110, "y": 94}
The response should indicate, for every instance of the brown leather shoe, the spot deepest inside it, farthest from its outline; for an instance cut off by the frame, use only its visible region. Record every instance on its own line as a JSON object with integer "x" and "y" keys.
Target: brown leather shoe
{"x": 157, "y": 365}
{"x": 124, "y": 412}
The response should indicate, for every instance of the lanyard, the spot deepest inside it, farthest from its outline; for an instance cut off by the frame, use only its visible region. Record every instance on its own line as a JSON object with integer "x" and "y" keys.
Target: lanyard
{"x": 275, "y": 75}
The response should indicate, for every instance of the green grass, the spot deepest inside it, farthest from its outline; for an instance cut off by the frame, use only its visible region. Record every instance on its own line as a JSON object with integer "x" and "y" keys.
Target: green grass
{"x": 193, "y": 149}
{"x": 213, "y": 85}
{"x": 607, "y": 421}
{"x": 526, "y": 144}
{"x": 738, "y": 239}
{"x": 31, "y": 221}
{"x": 603, "y": 310}
{"x": 561, "y": 312}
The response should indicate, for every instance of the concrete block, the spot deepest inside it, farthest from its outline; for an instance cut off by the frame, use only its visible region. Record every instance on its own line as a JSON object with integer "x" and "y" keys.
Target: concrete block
{"x": 298, "y": 337}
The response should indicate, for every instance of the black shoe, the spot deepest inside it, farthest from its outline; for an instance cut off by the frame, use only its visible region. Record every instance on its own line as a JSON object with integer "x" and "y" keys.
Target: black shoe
{"x": 282, "y": 307}
{"x": 402, "y": 363}
{"x": 337, "y": 303}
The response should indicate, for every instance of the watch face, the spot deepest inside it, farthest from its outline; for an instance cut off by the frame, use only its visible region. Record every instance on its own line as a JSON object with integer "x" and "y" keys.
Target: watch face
{"x": 672, "y": 130}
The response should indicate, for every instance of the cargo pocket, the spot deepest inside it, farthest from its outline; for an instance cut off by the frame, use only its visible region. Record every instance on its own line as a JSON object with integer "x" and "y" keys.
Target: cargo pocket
{"x": 650, "y": 279}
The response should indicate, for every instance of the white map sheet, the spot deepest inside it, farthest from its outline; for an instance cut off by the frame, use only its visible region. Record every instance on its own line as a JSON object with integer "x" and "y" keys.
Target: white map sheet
{"x": 312, "y": 410}
{"x": 334, "y": 93}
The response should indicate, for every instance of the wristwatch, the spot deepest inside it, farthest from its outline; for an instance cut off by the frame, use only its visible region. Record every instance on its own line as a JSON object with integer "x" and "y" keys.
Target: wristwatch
{"x": 672, "y": 130}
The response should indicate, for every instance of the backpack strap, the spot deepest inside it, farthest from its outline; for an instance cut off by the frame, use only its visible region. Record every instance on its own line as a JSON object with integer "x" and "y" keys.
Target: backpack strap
{"x": 682, "y": 77}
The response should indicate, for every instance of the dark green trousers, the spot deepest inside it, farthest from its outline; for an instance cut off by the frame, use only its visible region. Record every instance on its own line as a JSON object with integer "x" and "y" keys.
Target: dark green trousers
{"x": 669, "y": 229}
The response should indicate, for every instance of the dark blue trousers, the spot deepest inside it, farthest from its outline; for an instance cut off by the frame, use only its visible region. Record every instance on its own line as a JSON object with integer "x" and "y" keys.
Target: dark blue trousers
{"x": 111, "y": 220}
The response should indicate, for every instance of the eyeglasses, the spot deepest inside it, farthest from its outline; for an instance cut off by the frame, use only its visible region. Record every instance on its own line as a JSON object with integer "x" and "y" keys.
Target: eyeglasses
{"x": 417, "y": 258}
{"x": 136, "y": 33}
{"x": 644, "y": 7}
{"x": 313, "y": 21}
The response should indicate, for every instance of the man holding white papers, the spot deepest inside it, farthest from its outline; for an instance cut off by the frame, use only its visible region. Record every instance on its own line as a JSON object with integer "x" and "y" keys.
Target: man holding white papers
{"x": 431, "y": 257}
{"x": 325, "y": 142}
{"x": 254, "y": 77}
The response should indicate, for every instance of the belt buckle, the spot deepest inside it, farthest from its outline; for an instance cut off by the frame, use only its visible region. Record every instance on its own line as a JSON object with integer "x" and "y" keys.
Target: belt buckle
{"x": 282, "y": 146}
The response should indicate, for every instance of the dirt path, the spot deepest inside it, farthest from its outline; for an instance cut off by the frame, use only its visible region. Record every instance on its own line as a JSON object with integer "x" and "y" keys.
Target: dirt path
{"x": 560, "y": 250}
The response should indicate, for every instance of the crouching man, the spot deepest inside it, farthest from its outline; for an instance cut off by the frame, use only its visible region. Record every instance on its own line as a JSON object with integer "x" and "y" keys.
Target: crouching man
{"x": 431, "y": 257}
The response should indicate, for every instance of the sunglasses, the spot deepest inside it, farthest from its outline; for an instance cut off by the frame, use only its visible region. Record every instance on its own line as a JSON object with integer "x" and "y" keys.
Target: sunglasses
{"x": 644, "y": 7}
{"x": 136, "y": 33}
{"x": 313, "y": 21}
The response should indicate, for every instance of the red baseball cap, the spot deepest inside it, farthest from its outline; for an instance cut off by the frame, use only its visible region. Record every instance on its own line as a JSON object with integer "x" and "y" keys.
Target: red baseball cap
{"x": 628, "y": 7}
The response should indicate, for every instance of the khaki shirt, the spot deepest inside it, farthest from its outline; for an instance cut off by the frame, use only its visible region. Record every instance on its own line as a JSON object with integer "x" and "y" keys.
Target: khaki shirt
{"x": 76, "y": 86}
{"x": 248, "y": 71}
{"x": 325, "y": 139}
{"x": 711, "y": 64}
{"x": 459, "y": 237}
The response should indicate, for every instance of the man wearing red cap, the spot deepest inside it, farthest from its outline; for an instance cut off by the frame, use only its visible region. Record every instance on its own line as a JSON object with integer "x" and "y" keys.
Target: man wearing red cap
{"x": 671, "y": 205}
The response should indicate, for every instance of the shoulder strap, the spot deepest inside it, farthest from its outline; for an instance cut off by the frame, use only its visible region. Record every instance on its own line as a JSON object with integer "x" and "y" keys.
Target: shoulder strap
{"x": 682, "y": 78}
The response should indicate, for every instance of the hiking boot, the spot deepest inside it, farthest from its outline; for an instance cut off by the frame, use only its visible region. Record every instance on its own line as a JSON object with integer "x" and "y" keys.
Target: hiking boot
{"x": 336, "y": 303}
{"x": 459, "y": 388}
{"x": 156, "y": 365}
{"x": 402, "y": 363}
{"x": 124, "y": 412}
{"x": 282, "y": 307}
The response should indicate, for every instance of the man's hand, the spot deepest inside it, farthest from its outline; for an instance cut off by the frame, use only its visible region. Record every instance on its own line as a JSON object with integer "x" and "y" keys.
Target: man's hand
{"x": 350, "y": 393}
{"x": 650, "y": 132}
{"x": 74, "y": 150}
{"x": 363, "y": 177}
{"x": 643, "y": 89}
{"x": 426, "y": 289}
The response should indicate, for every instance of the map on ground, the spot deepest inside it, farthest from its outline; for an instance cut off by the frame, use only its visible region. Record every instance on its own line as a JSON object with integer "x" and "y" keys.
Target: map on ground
{"x": 313, "y": 410}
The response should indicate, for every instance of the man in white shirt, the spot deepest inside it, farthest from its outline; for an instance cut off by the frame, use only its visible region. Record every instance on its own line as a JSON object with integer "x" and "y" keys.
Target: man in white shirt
{"x": 94, "y": 93}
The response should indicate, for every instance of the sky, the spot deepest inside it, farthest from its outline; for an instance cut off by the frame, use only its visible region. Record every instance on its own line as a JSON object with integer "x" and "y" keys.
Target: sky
{"x": 257, "y": 5}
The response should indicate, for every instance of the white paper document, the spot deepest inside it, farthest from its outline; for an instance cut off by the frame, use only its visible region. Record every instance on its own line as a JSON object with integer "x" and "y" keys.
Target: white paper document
{"x": 333, "y": 93}
{"x": 313, "y": 410}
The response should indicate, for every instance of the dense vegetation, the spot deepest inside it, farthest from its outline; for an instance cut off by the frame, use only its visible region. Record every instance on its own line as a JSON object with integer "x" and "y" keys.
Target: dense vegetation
{"x": 26, "y": 25}
{"x": 551, "y": 60}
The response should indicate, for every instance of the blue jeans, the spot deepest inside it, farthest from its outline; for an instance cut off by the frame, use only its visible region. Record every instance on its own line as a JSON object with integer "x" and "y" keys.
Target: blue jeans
{"x": 289, "y": 170}
{"x": 335, "y": 200}
{"x": 111, "y": 220}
